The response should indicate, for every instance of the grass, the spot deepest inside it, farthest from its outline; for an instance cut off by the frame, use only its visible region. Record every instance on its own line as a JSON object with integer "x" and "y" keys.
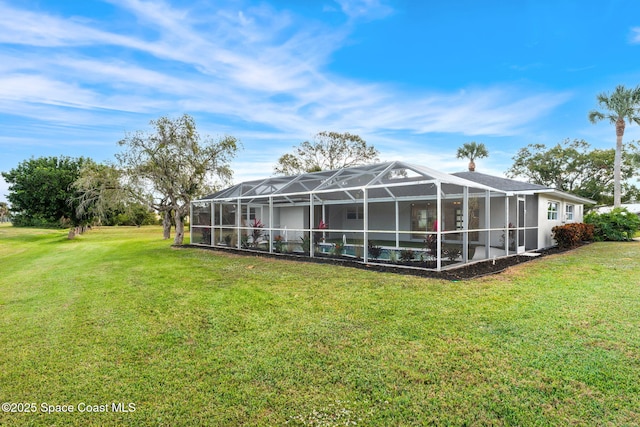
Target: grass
{"x": 193, "y": 337}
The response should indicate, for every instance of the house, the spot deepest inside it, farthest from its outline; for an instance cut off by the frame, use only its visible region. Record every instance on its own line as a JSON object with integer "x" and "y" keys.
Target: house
{"x": 553, "y": 207}
{"x": 631, "y": 207}
{"x": 375, "y": 212}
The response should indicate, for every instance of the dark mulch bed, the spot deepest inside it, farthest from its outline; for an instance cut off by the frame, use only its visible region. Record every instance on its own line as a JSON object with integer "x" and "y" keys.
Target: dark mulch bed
{"x": 468, "y": 271}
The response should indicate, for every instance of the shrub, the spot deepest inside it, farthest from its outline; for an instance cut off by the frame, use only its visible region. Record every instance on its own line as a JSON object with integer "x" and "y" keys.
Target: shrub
{"x": 278, "y": 243}
{"x": 407, "y": 255}
{"x": 431, "y": 244}
{"x": 566, "y": 236}
{"x": 617, "y": 225}
{"x": 256, "y": 232}
{"x": 452, "y": 253}
{"x": 305, "y": 242}
{"x": 586, "y": 231}
{"x": 337, "y": 249}
{"x": 570, "y": 235}
{"x": 374, "y": 250}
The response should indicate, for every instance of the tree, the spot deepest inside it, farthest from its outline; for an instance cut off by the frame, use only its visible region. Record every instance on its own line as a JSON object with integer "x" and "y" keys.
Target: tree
{"x": 4, "y": 211}
{"x": 328, "y": 151}
{"x": 572, "y": 166}
{"x": 108, "y": 196}
{"x": 623, "y": 104}
{"x": 176, "y": 165}
{"x": 100, "y": 191}
{"x": 41, "y": 193}
{"x": 472, "y": 150}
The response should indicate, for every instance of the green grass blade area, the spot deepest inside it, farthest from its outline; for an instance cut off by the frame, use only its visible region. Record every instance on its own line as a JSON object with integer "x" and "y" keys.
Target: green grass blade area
{"x": 194, "y": 337}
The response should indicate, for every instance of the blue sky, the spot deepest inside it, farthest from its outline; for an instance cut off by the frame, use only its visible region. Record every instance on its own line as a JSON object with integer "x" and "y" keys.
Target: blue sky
{"x": 416, "y": 79}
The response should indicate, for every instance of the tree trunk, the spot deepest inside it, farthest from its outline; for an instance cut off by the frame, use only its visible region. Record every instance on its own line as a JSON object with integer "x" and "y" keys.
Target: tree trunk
{"x": 179, "y": 228}
{"x": 617, "y": 164}
{"x": 166, "y": 225}
{"x": 472, "y": 166}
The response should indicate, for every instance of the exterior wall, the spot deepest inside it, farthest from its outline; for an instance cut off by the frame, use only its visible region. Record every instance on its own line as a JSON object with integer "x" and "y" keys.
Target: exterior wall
{"x": 544, "y": 233}
{"x": 294, "y": 219}
{"x": 382, "y": 216}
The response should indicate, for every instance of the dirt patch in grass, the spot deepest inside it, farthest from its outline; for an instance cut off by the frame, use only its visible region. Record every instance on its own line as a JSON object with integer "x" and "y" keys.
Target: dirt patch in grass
{"x": 464, "y": 272}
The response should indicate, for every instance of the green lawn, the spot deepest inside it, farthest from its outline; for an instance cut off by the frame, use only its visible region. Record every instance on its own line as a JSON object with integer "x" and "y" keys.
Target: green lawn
{"x": 192, "y": 337}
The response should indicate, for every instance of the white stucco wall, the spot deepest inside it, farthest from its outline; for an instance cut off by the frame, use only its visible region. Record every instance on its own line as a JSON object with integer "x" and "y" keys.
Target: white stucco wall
{"x": 292, "y": 218}
{"x": 545, "y": 225}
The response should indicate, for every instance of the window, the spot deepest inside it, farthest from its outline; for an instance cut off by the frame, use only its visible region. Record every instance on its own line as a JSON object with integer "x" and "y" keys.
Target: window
{"x": 250, "y": 214}
{"x": 552, "y": 211}
{"x": 423, "y": 218}
{"x": 568, "y": 216}
{"x": 354, "y": 212}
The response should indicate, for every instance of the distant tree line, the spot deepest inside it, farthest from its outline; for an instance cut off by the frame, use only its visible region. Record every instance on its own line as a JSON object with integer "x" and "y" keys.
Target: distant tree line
{"x": 43, "y": 193}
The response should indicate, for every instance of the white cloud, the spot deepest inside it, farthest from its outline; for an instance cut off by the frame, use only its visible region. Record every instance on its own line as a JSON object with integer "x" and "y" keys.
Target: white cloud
{"x": 256, "y": 66}
{"x": 635, "y": 35}
{"x": 367, "y": 9}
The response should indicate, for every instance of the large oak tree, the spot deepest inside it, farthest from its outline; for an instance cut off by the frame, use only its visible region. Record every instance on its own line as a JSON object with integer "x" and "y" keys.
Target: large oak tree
{"x": 327, "y": 151}
{"x": 174, "y": 164}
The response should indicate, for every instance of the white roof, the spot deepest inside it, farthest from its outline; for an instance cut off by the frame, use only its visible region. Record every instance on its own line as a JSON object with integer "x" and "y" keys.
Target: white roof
{"x": 631, "y": 207}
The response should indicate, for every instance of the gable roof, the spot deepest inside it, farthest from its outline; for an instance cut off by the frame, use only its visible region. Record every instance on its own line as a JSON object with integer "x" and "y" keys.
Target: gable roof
{"x": 499, "y": 183}
{"x": 511, "y": 185}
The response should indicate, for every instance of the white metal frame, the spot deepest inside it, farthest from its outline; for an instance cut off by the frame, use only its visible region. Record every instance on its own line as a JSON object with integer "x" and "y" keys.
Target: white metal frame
{"x": 395, "y": 182}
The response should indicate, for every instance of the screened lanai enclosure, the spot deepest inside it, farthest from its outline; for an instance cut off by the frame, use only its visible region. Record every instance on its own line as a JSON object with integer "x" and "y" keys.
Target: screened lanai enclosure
{"x": 395, "y": 212}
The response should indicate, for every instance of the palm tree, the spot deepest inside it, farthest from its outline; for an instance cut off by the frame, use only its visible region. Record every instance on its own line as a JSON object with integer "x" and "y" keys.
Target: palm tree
{"x": 472, "y": 151}
{"x": 623, "y": 104}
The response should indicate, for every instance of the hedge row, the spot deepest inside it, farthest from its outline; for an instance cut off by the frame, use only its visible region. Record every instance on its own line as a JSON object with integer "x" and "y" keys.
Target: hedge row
{"x": 617, "y": 225}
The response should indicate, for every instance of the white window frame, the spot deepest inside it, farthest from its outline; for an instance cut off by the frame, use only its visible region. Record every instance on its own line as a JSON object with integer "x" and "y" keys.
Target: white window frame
{"x": 356, "y": 211}
{"x": 570, "y": 212}
{"x": 552, "y": 213}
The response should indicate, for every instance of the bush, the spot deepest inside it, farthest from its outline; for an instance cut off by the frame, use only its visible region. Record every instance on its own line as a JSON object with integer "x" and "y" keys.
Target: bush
{"x": 617, "y": 225}
{"x": 566, "y": 236}
{"x": 374, "y": 250}
{"x": 570, "y": 235}
{"x": 452, "y": 252}
{"x": 407, "y": 255}
{"x": 586, "y": 232}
